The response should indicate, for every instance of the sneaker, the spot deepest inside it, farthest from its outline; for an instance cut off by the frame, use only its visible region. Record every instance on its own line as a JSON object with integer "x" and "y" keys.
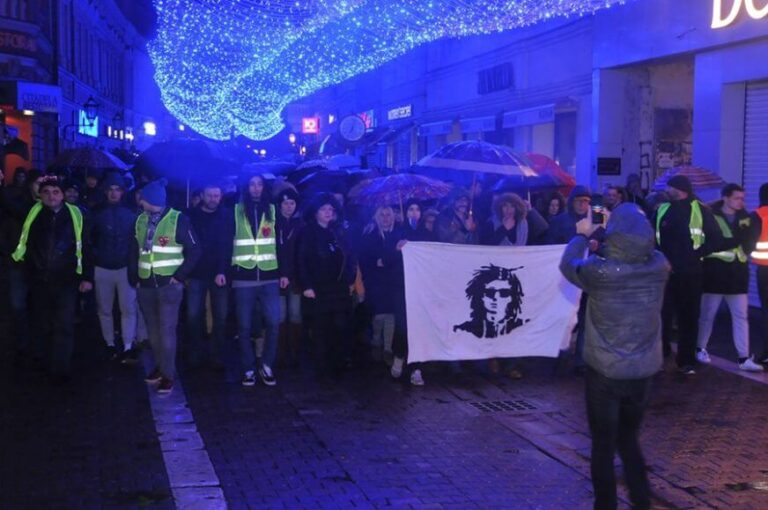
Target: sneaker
{"x": 154, "y": 377}
{"x": 416, "y": 378}
{"x": 265, "y": 373}
{"x": 750, "y": 366}
{"x": 703, "y": 356}
{"x": 130, "y": 357}
{"x": 397, "y": 367}
{"x": 249, "y": 378}
{"x": 111, "y": 353}
{"x": 687, "y": 370}
{"x": 165, "y": 386}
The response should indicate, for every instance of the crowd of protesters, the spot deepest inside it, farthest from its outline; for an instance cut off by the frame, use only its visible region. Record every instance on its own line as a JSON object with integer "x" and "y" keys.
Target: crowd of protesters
{"x": 280, "y": 277}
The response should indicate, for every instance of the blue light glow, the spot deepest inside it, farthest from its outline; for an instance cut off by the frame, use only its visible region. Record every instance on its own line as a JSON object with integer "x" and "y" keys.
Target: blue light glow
{"x": 229, "y": 67}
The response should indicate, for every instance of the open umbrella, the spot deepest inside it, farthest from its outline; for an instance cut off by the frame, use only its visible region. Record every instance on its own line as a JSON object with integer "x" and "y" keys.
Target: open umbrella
{"x": 345, "y": 161}
{"x": 460, "y": 162}
{"x": 336, "y": 181}
{"x": 701, "y": 179}
{"x": 87, "y": 158}
{"x": 326, "y": 164}
{"x": 394, "y": 189}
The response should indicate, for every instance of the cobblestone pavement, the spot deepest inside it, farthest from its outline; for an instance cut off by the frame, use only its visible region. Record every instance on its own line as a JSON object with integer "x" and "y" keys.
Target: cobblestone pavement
{"x": 369, "y": 442}
{"x": 89, "y": 444}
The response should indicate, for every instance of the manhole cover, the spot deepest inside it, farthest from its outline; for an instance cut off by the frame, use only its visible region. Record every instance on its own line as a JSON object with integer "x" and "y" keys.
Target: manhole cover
{"x": 504, "y": 406}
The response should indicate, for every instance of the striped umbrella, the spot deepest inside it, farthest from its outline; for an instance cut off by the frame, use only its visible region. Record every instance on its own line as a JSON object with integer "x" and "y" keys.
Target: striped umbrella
{"x": 474, "y": 156}
{"x": 700, "y": 178}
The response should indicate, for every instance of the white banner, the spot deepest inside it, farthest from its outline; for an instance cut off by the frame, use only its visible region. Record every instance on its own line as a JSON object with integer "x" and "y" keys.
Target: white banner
{"x": 479, "y": 302}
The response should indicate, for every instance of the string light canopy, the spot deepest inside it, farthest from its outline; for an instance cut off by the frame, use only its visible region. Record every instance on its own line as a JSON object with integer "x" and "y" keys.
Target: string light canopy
{"x": 228, "y": 67}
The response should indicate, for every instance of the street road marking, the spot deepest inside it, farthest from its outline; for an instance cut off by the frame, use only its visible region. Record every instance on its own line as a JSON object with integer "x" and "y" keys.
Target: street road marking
{"x": 193, "y": 480}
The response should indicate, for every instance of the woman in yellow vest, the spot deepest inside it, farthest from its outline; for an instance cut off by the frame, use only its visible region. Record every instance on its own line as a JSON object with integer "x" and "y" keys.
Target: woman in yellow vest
{"x": 164, "y": 252}
{"x": 256, "y": 278}
{"x": 56, "y": 252}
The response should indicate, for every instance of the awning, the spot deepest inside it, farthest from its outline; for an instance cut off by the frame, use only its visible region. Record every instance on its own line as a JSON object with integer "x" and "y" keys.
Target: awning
{"x": 443, "y": 127}
{"x": 529, "y": 116}
{"x": 477, "y": 124}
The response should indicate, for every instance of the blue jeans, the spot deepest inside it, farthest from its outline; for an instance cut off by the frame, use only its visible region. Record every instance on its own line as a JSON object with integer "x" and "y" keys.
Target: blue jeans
{"x": 160, "y": 307}
{"x": 266, "y": 300}
{"x": 615, "y": 411}
{"x": 196, "y": 293}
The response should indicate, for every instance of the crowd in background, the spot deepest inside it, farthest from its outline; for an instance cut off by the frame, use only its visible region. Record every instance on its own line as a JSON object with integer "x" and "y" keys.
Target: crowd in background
{"x": 264, "y": 276}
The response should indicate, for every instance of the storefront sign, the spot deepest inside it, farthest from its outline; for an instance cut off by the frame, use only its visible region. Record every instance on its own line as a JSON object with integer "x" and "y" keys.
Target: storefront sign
{"x": 369, "y": 117}
{"x": 529, "y": 117}
{"x": 38, "y": 97}
{"x": 17, "y": 43}
{"x": 720, "y": 19}
{"x": 401, "y": 112}
{"x": 310, "y": 125}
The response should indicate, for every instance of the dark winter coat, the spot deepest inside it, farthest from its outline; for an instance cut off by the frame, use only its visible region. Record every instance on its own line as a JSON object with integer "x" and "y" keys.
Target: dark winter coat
{"x": 214, "y": 233}
{"x": 112, "y": 229}
{"x": 450, "y": 229}
{"x": 51, "y": 249}
{"x": 626, "y": 290}
{"x": 676, "y": 243}
{"x": 325, "y": 266}
{"x": 722, "y": 277}
{"x": 562, "y": 228}
{"x": 288, "y": 230}
{"x": 378, "y": 280}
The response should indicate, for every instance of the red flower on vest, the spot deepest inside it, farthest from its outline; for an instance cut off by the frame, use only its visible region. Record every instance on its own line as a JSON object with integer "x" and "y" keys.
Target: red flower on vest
{"x": 163, "y": 240}
{"x": 266, "y": 231}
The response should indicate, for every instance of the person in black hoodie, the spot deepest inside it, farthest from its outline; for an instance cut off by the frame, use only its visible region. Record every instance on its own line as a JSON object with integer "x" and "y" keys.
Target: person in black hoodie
{"x": 213, "y": 225}
{"x": 726, "y": 277}
{"x": 56, "y": 249}
{"x": 163, "y": 253}
{"x": 326, "y": 273}
{"x": 257, "y": 277}
{"x": 111, "y": 233}
{"x": 686, "y": 231}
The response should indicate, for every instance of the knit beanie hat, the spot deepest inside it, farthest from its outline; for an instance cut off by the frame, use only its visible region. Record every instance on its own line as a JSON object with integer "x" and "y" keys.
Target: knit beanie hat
{"x": 680, "y": 182}
{"x": 113, "y": 179}
{"x": 51, "y": 180}
{"x": 154, "y": 193}
{"x": 287, "y": 193}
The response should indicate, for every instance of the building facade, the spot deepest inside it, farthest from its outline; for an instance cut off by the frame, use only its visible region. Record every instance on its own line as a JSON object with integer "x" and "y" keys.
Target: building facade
{"x": 74, "y": 73}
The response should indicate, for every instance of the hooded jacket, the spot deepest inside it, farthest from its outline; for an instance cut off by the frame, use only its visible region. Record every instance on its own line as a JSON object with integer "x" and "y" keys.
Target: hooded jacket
{"x": 562, "y": 228}
{"x": 626, "y": 290}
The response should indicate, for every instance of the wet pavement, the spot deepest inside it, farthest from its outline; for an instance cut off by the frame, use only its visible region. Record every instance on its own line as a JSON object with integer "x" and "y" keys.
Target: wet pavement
{"x": 366, "y": 441}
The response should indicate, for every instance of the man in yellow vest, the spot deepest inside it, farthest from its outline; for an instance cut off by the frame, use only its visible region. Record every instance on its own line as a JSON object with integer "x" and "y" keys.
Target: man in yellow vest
{"x": 686, "y": 231}
{"x": 759, "y": 226}
{"x": 726, "y": 277}
{"x": 164, "y": 251}
{"x": 256, "y": 278}
{"x": 56, "y": 251}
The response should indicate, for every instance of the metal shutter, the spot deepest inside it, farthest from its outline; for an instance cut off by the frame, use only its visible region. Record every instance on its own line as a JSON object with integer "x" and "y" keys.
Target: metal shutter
{"x": 755, "y": 155}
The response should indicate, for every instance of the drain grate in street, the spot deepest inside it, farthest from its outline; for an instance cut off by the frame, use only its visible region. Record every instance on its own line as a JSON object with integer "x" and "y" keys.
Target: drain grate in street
{"x": 503, "y": 406}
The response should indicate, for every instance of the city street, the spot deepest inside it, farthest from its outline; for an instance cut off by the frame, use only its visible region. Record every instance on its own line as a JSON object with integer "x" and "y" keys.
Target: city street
{"x": 366, "y": 441}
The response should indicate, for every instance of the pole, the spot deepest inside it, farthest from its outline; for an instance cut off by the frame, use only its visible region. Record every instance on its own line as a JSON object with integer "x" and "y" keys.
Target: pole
{"x": 472, "y": 194}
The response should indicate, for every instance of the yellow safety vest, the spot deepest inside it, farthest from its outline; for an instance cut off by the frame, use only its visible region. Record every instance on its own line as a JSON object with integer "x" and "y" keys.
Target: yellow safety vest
{"x": 77, "y": 223}
{"x": 166, "y": 255}
{"x": 695, "y": 224}
{"x": 249, "y": 252}
{"x": 728, "y": 255}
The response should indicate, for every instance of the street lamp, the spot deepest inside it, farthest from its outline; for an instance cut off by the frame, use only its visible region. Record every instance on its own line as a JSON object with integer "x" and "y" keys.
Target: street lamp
{"x": 292, "y": 138}
{"x": 91, "y": 108}
{"x": 118, "y": 123}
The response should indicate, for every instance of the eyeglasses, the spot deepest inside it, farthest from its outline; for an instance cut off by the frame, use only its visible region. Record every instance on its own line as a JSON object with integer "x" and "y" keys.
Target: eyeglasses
{"x": 502, "y": 293}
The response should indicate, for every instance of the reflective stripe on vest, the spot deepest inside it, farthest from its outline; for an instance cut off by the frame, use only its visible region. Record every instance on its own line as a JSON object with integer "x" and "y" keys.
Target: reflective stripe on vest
{"x": 727, "y": 255}
{"x": 760, "y": 255}
{"x": 77, "y": 226}
{"x": 695, "y": 224}
{"x": 249, "y": 252}
{"x": 166, "y": 255}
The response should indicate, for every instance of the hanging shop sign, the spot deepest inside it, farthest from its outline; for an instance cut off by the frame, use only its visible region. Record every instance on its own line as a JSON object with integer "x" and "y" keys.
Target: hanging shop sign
{"x": 17, "y": 43}
{"x": 87, "y": 127}
{"x": 722, "y": 18}
{"x": 401, "y": 112}
{"x": 369, "y": 118}
{"x": 310, "y": 125}
{"x": 38, "y": 97}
